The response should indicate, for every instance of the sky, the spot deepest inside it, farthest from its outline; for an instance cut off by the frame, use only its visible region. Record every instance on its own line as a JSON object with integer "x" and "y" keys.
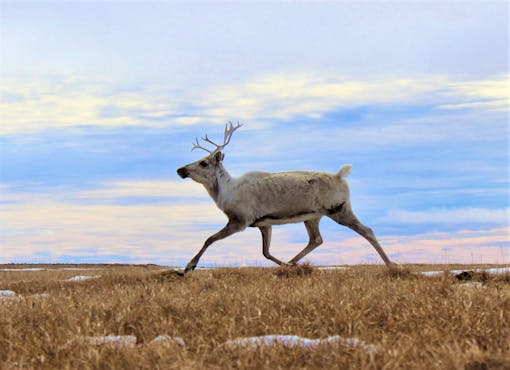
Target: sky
{"x": 100, "y": 103}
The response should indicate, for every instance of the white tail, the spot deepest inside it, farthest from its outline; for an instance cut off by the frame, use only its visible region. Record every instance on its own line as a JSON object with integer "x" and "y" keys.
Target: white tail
{"x": 344, "y": 171}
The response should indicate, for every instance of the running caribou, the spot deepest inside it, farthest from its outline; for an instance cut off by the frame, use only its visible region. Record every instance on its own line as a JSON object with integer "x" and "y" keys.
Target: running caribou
{"x": 263, "y": 199}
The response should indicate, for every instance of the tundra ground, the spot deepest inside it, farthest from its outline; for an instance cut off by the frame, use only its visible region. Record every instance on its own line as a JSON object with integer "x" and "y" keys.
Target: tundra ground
{"x": 414, "y": 321}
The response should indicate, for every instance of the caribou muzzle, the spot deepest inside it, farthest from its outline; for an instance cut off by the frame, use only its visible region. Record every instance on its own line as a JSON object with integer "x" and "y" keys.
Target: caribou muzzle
{"x": 183, "y": 172}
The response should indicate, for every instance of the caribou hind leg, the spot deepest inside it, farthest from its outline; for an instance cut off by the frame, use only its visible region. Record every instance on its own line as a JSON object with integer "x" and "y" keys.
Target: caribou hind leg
{"x": 312, "y": 228}
{"x": 266, "y": 241}
{"x": 347, "y": 218}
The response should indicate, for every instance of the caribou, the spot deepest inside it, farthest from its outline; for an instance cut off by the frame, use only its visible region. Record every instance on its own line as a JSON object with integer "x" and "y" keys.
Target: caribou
{"x": 263, "y": 199}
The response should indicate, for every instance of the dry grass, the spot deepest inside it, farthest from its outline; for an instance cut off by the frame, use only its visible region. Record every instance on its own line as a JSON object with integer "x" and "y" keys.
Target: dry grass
{"x": 418, "y": 322}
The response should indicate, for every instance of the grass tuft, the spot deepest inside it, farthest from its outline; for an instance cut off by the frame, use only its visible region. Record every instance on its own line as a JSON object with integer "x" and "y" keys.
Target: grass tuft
{"x": 170, "y": 275}
{"x": 489, "y": 363}
{"x": 303, "y": 269}
{"x": 400, "y": 272}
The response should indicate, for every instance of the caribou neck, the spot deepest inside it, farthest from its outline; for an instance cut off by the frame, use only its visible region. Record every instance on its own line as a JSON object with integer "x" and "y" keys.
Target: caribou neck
{"x": 218, "y": 183}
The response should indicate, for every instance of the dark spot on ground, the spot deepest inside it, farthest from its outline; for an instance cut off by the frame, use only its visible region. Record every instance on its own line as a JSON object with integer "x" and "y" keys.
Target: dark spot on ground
{"x": 465, "y": 275}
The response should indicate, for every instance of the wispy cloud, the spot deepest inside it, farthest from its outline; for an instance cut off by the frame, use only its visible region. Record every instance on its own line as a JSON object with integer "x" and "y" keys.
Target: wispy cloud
{"x": 487, "y": 94}
{"x": 162, "y": 233}
{"x": 450, "y": 216}
{"x": 490, "y": 245}
{"x": 145, "y": 189}
{"x": 173, "y": 234}
{"x": 30, "y": 106}
{"x": 284, "y": 96}
{"x": 59, "y": 225}
{"x": 66, "y": 102}
{"x": 461, "y": 246}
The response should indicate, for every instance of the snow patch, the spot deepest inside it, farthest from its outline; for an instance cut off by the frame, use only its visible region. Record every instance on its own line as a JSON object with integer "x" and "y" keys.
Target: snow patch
{"x": 129, "y": 341}
{"x": 470, "y": 285}
{"x": 124, "y": 341}
{"x": 52, "y": 269}
{"x": 117, "y": 341}
{"x": 7, "y": 294}
{"x": 495, "y": 270}
{"x": 167, "y": 340}
{"x": 433, "y": 273}
{"x": 24, "y": 269}
{"x": 297, "y": 341}
{"x": 81, "y": 278}
{"x": 498, "y": 270}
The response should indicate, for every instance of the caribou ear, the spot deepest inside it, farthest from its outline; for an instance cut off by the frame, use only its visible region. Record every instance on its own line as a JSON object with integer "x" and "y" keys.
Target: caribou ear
{"x": 218, "y": 157}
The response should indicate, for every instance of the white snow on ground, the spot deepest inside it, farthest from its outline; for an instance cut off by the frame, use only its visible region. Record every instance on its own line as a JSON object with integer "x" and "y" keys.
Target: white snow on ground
{"x": 117, "y": 341}
{"x": 333, "y": 268}
{"x": 166, "y": 340}
{"x": 296, "y": 341}
{"x": 496, "y": 270}
{"x": 129, "y": 341}
{"x": 124, "y": 341}
{"x": 7, "y": 294}
{"x": 434, "y": 273}
{"x": 24, "y": 269}
{"x": 52, "y": 269}
{"x": 81, "y": 278}
{"x": 470, "y": 285}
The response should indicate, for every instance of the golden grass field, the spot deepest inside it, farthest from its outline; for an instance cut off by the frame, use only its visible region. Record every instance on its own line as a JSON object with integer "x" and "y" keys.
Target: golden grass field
{"x": 415, "y": 322}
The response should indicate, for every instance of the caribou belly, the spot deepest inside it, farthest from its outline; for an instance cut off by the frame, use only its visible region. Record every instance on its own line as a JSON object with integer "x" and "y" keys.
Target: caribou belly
{"x": 270, "y": 220}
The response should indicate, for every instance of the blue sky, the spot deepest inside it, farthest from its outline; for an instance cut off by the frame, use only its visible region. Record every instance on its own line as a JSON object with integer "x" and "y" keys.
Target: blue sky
{"x": 100, "y": 102}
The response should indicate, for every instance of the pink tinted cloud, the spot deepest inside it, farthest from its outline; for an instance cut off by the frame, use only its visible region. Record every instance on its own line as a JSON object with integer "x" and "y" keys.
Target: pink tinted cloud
{"x": 168, "y": 234}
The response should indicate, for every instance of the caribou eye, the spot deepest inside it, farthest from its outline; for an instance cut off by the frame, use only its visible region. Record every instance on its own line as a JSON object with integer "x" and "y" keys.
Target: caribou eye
{"x": 203, "y": 164}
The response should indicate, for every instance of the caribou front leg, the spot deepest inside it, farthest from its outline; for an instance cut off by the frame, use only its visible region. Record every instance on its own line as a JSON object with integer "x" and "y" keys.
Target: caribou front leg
{"x": 232, "y": 227}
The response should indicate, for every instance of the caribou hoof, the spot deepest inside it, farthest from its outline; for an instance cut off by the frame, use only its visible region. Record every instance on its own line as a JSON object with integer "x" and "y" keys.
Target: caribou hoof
{"x": 287, "y": 264}
{"x": 189, "y": 267}
{"x": 394, "y": 266}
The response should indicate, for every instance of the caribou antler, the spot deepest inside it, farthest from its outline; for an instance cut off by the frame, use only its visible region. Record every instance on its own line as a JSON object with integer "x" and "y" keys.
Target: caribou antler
{"x": 196, "y": 145}
{"x": 229, "y": 130}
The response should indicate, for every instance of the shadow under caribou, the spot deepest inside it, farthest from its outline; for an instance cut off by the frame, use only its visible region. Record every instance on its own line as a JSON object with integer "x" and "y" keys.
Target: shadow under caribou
{"x": 263, "y": 199}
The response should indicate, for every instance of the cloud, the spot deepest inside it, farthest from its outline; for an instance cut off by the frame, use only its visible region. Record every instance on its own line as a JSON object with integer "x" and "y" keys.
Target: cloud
{"x": 38, "y": 104}
{"x": 74, "y": 229}
{"x": 450, "y": 216}
{"x": 461, "y": 246}
{"x": 492, "y": 94}
{"x": 145, "y": 188}
{"x": 57, "y": 226}
{"x": 456, "y": 246}
{"x": 163, "y": 233}
{"x": 284, "y": 96}
{"x": 68, "y": 102}
{"x": 172, "y": 235}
